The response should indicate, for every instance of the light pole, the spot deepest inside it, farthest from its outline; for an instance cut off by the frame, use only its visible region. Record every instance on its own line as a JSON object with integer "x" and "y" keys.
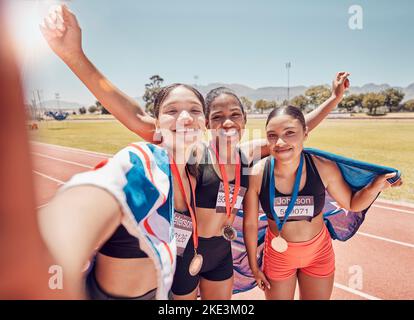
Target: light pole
{"x": 288, "y": 66}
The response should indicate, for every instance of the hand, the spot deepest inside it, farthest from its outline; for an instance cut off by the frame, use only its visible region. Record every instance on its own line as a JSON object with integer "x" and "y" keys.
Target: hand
{"x": 62, "y": 32}
{"x": 381, "y": 182}
{"x": 261, "y": 280}
{"x": 340, "y": 84}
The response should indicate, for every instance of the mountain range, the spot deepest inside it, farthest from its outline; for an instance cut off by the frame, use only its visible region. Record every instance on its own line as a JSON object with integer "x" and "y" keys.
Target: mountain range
{"x": 268, "y": 93}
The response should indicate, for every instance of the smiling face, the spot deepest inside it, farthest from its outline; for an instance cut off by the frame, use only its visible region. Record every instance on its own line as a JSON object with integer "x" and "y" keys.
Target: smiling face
{"x": 181, "y": 119}
{"x": 285, "y": 137}
{"x": 226, "y": 119}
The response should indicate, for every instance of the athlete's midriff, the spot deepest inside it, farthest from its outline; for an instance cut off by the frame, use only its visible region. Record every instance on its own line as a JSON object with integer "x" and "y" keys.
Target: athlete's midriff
{"x": 210, "y": 223}
{"x": 123, "y": 277}
{"x": 299, "y": 231}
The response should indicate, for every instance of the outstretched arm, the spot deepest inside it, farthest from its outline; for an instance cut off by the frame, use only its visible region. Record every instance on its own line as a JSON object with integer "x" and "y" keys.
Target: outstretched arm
{"x": 341, "y": 191}
{"x": 75, "y": 223}
{"x": 64, "y": 36}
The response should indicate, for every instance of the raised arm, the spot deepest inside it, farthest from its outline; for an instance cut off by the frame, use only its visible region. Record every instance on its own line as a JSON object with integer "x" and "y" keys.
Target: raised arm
{"x": 339, "y": 85}
{"x": 257, "y": 149}
{"x": 63, "y": 34}
{"x": 250, "y": 224}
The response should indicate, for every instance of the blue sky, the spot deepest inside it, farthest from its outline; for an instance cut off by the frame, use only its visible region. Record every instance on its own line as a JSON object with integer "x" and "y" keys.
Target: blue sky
{"x": 228, "y": 41}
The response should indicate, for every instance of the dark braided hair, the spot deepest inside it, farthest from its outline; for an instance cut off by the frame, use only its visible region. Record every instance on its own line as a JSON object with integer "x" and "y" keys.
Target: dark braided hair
{"x": 213, "y": 94}
{"x": 289, "y": 110}
{"x": 165, "y": 91}
{"x": 193, "y": 167}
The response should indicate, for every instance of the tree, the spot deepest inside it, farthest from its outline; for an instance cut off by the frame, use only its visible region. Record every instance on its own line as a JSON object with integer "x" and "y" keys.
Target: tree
{"x": 409, "y": 105}
{"x": 247, "y": 103}
{"x": 300, "y": 101}
{"x": 260, "y": 105}
{"x": 372, "y": 101}
{"x": 151, "y": 91}
{"x": 393, "y": 98}
{"x": 271, "y": 104}
{"x": 82, "y": 110}
{"x": 317, "y": 94}
{"x": 92, "y": 109}
{"x": 264, "y": 105}
{"x": 351, "y": 101}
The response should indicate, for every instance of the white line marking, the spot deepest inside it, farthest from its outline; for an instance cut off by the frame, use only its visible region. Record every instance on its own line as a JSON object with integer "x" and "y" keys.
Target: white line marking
{"x": 48, "y": 177}
{"x": 405, "y": 244}
{"x": 386, "y": 202}
{"x": 74, "y": 150}
{"x": 356, "y": 292}
{"x": 62, "y": 160}
{"x": 394, "y": 209}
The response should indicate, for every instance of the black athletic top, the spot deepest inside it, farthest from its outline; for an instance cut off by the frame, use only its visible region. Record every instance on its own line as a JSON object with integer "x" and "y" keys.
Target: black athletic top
{"x": 310, "y": 201}
{"x": 208, "y": 181}
{"x": 125, "y": 246}
{"x": 122, "y": 245}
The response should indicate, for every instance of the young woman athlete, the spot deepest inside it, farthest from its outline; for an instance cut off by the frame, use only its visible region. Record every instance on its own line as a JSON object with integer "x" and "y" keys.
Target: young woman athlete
{"x": 297, "y": 243}
{"x": 99, "y": 210}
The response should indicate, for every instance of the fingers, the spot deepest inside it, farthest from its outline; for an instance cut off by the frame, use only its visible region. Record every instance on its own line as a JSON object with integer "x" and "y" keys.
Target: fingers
{"x": 262, "y": 282}
{"x": 53, "y": 25}
{"x": 45, "y": 31}
{"x": 342, "y": 77}
{"x": 390, "y": 175}
{"x": 397, "y": 183}
{"x": 266, "y": 283}
{"x": 51, "y": 28}
{"x": 48, "y": 33}
{"x": 68, "y": 16}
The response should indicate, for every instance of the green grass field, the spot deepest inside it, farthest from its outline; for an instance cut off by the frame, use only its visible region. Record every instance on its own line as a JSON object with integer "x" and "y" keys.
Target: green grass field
{"x": 386, "y": 142}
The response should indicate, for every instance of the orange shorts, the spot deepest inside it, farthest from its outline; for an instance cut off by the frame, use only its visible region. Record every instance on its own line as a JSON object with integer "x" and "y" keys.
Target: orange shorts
{"x": 314, "y": 257}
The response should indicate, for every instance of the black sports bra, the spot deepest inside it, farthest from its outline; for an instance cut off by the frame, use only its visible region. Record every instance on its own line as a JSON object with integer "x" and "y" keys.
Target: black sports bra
{"x": 310, "y": 201}
{"x": 209, "y": 190}
{"x": 125, "y": 246}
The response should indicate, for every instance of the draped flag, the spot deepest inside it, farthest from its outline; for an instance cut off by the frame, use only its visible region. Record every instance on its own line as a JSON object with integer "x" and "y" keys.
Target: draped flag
{"x": 139, "y": 177}
{"x": 342, "y": 224}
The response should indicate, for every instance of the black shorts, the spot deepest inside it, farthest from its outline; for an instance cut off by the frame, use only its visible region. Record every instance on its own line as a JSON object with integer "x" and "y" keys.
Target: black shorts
{"x": 95, "y": 292}
{"x": 217, "y": 264}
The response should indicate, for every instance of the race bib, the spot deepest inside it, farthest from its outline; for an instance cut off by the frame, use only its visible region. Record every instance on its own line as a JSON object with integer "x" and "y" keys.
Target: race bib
{"x": 303, "y": 209}
{"x": 221, "y": 199}
{"x": 183, "y": 228}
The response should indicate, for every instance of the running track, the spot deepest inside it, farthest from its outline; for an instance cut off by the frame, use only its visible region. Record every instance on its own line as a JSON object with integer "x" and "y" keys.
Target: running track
{"x": 377, "y": 263}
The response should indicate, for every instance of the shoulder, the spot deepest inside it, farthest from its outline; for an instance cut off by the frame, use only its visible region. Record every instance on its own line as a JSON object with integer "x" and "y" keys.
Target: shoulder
{"x": 259, "y": 166}
{"x": 256, "y": 174}
{"x": 327, "y": 169}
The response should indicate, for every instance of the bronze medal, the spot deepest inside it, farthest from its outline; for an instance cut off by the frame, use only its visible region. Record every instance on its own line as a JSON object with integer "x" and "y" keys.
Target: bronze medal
{"x": 196, "y": 264}
{"x": 279, "y": 244}
{"x": 229, "y": 233}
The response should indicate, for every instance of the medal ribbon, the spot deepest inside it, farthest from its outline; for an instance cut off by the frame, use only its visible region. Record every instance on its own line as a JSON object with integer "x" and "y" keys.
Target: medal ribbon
{"x": 229, "y": 207}
{"x": 294, "y": 193}
{"x": 183, "y": 193}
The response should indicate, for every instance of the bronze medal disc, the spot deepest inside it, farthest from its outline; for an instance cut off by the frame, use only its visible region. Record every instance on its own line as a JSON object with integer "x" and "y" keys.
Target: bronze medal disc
{"x": 279, "y": 244}
{"x": 196, "y": 264}
{"x": 229, "y": 233}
